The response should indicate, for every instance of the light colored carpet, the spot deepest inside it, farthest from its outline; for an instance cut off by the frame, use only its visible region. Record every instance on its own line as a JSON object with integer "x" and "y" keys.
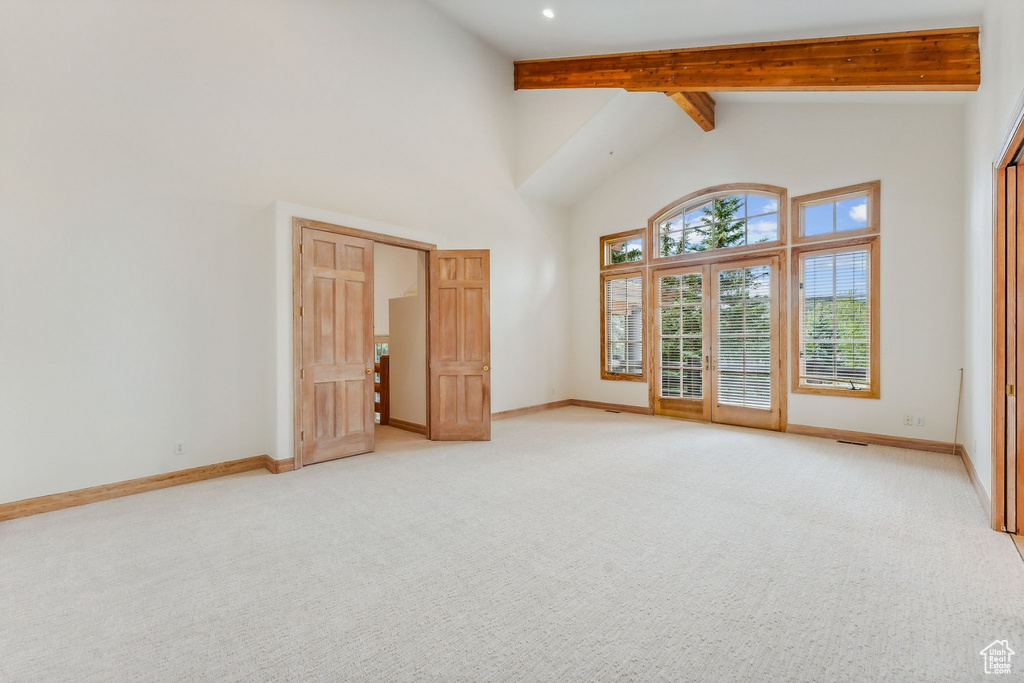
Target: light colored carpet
{"x": 577, "y": 545}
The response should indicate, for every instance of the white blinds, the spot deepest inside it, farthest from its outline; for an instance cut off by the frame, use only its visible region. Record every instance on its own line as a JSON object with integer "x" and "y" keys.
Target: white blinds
{"x": 624, "y": 325}
{"x": 744, "y": 337}
{"x": 681, "y": 300}
{"x": 835, "y": 320}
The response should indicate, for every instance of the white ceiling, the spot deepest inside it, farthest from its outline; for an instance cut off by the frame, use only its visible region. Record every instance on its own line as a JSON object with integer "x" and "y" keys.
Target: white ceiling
{"x": 517, "y": 29}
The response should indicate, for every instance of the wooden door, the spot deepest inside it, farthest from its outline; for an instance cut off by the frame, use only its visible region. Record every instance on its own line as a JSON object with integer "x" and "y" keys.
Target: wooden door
{"x": 682, "y": 353}
{"x": 746, "y": 372}
{"x": 460, "y": 345}
{"x": 1014, "y": 207}
{"x": 337, "y": 346}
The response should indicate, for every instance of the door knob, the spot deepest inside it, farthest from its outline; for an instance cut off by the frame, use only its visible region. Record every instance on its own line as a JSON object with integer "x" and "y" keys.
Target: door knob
{"x": 486, "y": 368}
{"x": 368, "y": 371}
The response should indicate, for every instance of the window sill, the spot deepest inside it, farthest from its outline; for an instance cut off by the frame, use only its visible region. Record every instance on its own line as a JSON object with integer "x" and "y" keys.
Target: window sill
{"x": 623, "y": 377}
{"x": 848, "y": 393}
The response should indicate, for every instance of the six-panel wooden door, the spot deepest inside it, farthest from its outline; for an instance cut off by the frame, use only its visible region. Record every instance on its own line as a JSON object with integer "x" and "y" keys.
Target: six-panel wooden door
{"x": 337, "y": 346}
{"x": 460, "y": 345}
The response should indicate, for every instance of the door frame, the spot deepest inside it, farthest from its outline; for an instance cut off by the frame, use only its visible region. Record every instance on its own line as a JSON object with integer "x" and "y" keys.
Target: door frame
{"x": 1007, "y": 480}
{"x": 298, "y": 224}
{"x": 780, "y": 255}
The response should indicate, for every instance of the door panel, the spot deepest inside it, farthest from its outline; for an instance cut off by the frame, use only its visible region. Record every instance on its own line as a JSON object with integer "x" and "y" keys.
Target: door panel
{"x": 745, "y": 345}
{"x": 681, "y": 357}
{"x": 337, "y": 346}
{"x": 460, "y": 342}
{"x": 1015, "y": 343}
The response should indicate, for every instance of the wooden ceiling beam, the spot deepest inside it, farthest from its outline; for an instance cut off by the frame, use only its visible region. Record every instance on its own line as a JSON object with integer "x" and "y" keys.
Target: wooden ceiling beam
{"x": 699, "y": 105}
{"x": 943, "y": 59}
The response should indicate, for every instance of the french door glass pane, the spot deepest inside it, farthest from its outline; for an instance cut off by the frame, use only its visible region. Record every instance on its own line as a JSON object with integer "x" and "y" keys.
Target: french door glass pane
{"x": 744, "y": 337}
{"x": 682, "y": 335}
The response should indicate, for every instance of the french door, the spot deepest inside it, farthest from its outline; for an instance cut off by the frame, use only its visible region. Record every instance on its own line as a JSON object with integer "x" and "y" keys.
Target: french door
{"x": 717, "y": 351}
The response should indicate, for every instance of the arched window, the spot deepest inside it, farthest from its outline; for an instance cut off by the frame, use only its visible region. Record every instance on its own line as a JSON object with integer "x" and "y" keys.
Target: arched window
{"x": 723, "y": 217}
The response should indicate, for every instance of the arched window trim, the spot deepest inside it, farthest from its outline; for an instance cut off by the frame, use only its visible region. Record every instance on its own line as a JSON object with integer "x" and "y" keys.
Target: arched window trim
{"x": 653, "y": 236}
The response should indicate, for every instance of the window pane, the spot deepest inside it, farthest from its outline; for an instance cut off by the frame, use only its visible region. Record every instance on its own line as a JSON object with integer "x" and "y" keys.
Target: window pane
{"x": 691, "y": 287}
{"x": 670, "y": 240}
{"x": 670, "y": 384}
{"x": 720, "y": 222}
{"x": 818, "y": 219}
{"x": 624, "y": 251}
{"x": 682, "y": 328}
{"x": 624, "y": 325}
{"x": 692, "y": 384}
{"x": 763, "y": 229}
{"x": 852, "y": 214}
{"x": 670, "y": 353}
{"x": 835, "y": 320}
{"x": 744, "y": 342}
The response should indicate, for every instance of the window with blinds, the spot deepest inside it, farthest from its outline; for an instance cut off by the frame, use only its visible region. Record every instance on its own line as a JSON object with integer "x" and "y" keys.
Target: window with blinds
{"x": 744, "y": 337}
{"x": 622, "y": 327}
{"x": 681, "y": 316}
{"x": 837, "y": 320}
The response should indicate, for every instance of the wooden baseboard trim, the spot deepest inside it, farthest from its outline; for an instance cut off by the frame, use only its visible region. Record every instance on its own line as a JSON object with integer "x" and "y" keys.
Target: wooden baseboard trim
{"x": 874, "y": 439}
{"x": 408, "y": 426}
{"x": 986, "y": 503}
{"x": 60, "y": 501}
{"x": 506, "y": 414}
{"x": 278, "y": 466}
{"x": 578, "y": 402}
{"x": 598, "y": 405}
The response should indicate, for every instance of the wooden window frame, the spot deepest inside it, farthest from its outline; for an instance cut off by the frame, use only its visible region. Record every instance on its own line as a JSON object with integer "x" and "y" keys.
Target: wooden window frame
{"x": 873, "y": 244}
{"x": 732, "y": 252}
{"x": 873, "y": 190}
{"x": 622, "y": 274}
{"x": 619, "y": 237}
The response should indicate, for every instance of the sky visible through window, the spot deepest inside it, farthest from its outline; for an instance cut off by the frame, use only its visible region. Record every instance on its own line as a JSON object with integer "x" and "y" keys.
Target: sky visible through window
{"x": 850, "y": 213}
{"x": 719, "y": 222}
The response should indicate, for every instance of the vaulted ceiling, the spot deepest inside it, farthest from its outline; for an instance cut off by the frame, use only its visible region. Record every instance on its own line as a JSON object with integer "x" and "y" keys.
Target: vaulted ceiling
{"x": 517, "y": 29}
{"x": 610, "y": 130}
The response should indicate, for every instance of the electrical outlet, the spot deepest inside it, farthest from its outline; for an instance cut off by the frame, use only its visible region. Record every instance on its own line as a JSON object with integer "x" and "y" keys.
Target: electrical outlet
{"x": 179, "y": 448}
{"x": 919, "y": 421}
{"x": 908, "y": 420}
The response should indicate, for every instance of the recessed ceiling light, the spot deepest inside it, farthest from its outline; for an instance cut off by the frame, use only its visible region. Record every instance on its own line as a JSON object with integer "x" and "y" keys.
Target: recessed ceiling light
{"x": 549, "y": 13}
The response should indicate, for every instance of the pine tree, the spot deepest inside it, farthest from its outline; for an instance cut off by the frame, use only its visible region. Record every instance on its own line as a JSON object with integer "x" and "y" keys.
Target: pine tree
{"x": 720, "y": 227}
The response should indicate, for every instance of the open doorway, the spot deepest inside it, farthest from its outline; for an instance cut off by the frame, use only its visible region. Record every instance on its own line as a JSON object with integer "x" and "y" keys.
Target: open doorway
{"x": 400, "y": 343}
{"x": 336, "y": 396}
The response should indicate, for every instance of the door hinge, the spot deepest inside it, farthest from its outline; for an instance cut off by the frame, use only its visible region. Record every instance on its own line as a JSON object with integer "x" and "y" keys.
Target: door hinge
{"x": 300, "y": 248}
{"x": 1011, "y": 389}
{"x": 302, "y": 374}
{"x": 302, "y": 310}
{"x": 302, "y": 435}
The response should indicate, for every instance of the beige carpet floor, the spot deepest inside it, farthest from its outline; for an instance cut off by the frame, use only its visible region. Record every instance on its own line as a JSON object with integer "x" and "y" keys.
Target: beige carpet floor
{"x": 578, "y": 545}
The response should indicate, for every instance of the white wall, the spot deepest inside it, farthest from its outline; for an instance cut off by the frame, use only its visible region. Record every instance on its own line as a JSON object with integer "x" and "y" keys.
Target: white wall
{"x": 394, "y": 275}
{"x": 139, "y": 266}
{"x": 407, "y": 352}
{"x": 916, "y": 151}
{"x": 988, "y": 116}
